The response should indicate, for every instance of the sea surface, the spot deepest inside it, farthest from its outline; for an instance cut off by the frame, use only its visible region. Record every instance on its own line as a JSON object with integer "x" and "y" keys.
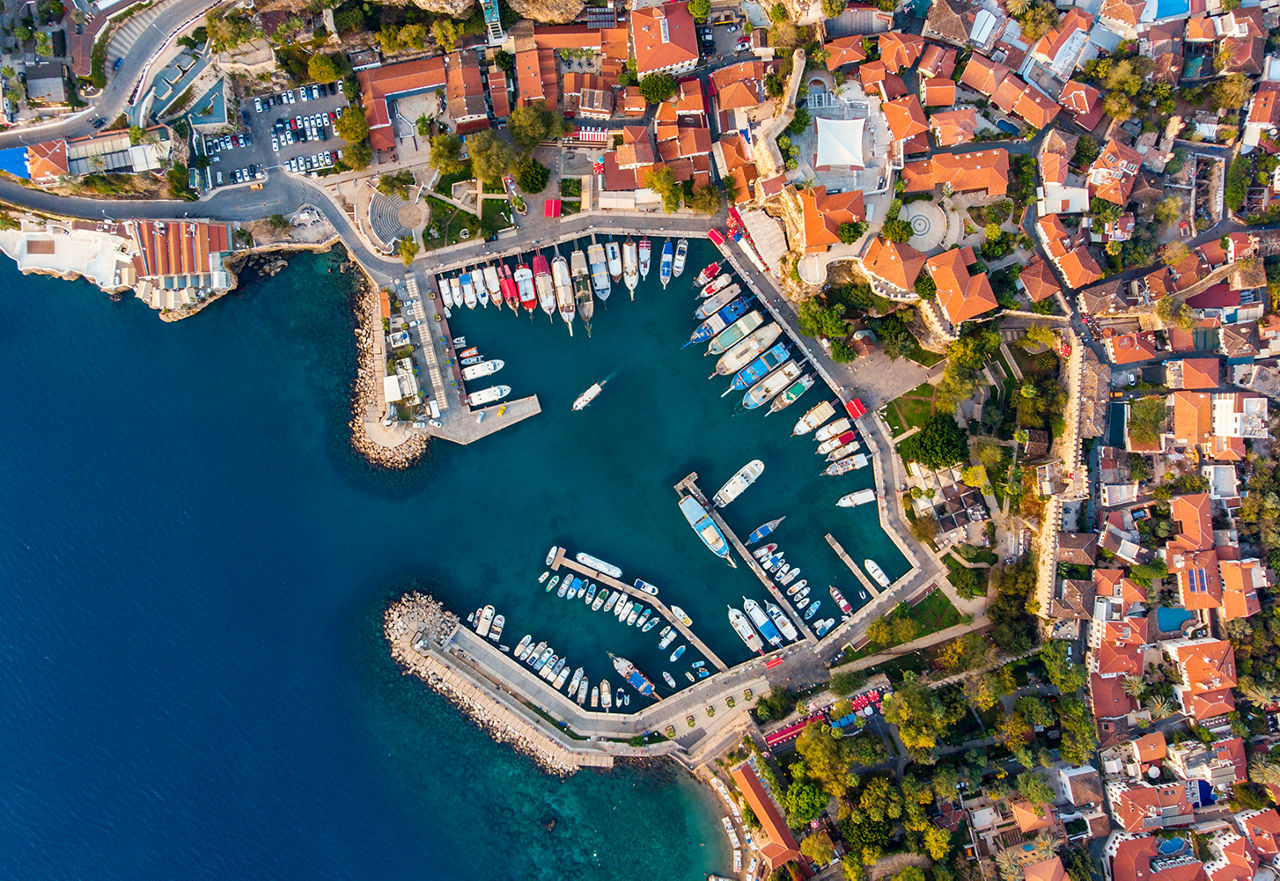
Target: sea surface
{"x": 195, "y": 564}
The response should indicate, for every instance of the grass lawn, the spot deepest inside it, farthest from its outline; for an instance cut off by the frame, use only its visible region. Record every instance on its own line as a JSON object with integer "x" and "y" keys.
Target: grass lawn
{"x": 910, "y": 410}
{"x": 493, "y": 216}
{"x": 924, "y": 357}
{"x": 570, "y": 206}
{"x": 444, "y": 186}
{"x": 932, "y": 614}
{"x": 967, "y": 582}
{"x": 447, "y": 221}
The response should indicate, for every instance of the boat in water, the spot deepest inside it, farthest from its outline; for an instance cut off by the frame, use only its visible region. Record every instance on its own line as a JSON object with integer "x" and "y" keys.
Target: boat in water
{"x": 599, "y": 600}
{"x": 761, "y": 620}
{"x": 758, "y": 369}
{"x": 485, "y": 622}
{"x": 564, "y": 290}
{"x": 641, "y": 584}
{"x": 824, "y": 626}
{"x": 575, "y": 681}
{"x": 763, "y": 552}
{"x": 613, "y": 599}
{"x": 583, "y": 401}
{"x": 522, "y": 647}
{"x": 815, "y": 416}
{"x": 833, "y": 429}
{"x": 794, "y": 590}
{"x": 613, "y": 257}
{"x": 845, "y": 465}
{"x": 599, "y": 271}
{"x": 682, "y": 252}
{"x": 706, "y": 274}
{"x": 595, "y": 696}
{"x": 840, "y": 600}
{"x": 854, "y": 499}
{"x": 525, "y": 289}
{"x": 509, "y": 290}
{"x": 650, "y": 624}
{"x": 765, "y": 389}
{"x": 735, "y": 333}
{"x": 581, "y": 277}
{"x": 591, "y": 594}
{"x": 763, "y": 530}
{"x": 455, "y": 286}
{"x": 482, "y": 286}
{"x": 582, "y": 691}
{"x": 783, "y": 623}
{"x": 719, "y": 283}
{"x": 838, "y": 447}
{"x": 874, "y": 570}
{"x": 484, "y": 368}
{"x": 630, "y": 273}
{"x": 713, "y": 304}
{"x": 468, "y": 290}
{"x": 669, "y": 635}
{"x": 718, "y": 322}
{"x": 544, "y": 286}
{"x": 706, "y": 529}
{"x": 742, "y": 626}
{"x": 562, "y": 673}
{"x": 488, "y": 395}
{"x": 646, "y": 252}
{"x": 599, "y": 565}
{"x": 667, "y": 678}
{"x": 679, "y": 613}
{"x": 736, "y": 485}
{"x": 742, "y": 352}
{"x": 493, "y": 283}
{"x": 792, "y": 393}
{"x": 664, "y": 265}
{"x": 675, "y": 656}
{"x": 634, "y": 677}
{"x": 606, "y": 700}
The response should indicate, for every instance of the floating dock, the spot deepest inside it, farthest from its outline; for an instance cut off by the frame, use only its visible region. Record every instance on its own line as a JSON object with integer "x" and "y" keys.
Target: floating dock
{"x": 635, "y": 593}
{"x": 689, "y": 486}
{"x": 853, "y": 567}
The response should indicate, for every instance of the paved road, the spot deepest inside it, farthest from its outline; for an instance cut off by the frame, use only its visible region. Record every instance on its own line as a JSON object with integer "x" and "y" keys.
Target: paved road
{"x": 167, "y": 18}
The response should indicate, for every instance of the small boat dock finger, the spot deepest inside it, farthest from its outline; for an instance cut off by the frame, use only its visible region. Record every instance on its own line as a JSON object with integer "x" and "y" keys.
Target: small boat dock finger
{"x": 853, "y": 567}
{"x": 689, "y": 486}
{"x": 602, "y": 578}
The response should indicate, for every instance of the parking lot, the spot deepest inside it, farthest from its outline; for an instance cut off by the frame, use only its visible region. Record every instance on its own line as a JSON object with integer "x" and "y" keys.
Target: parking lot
{"x": 292, "y": 130}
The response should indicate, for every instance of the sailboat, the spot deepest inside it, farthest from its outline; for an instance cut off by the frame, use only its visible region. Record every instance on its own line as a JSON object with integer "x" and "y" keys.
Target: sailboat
{"x": 664, "y": 267}
{"x": 646, "y": 250}
{"x": 508, "y": 285}
{"x": 524, "y": 287}
{"x": 817, "y": 415}
{"x": 564, "y": 290}
{"x": 614, "y": 257}
{"x": 545, "y": 287}
{"x": 745, "y": 350}
{"x": 599, "y": 271}
{"x": 584, "y": 400}
{"x": 792, "y": 393}
{"x": 682, "y": 251}
{"x": 764, "y": 530}
{"x": 629, "y": 273}
{"x": 582, "y": 288}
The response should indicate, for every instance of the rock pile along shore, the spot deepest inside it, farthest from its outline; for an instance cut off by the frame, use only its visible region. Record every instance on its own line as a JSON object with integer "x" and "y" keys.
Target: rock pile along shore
{"x": 416, "y": 625}
{"x": 366, "y": 389}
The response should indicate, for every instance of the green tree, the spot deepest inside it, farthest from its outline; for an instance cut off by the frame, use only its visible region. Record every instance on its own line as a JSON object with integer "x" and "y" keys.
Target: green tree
{"x": 658, "y": 87}
{"x": 926, "y": 287}
{"x": 358, "y": 156}
{"x": 923, "y": 716}
{"x": 446, "y": 154}
{"x": 663, "y": 182}
{"x": 351, "y": 126}
{"x": 1169, "y": 209}
{"x": 446, "y": 32}
{"x": 941, "y": 443}
{"x": 850, "y": 231}
{"x": 1087, "y": 150}
{"x": 817, "y": 319}
{"x": 278, "y": 222}
{"x": 136, "y": 134}
{"x": 407, "y": 249}
{"x": 909, "y": 873}
{"x": 778, "y": 13}
{"x": 533, "y": 123}
{"x": 491, "y": 157}
{"x": 803, "y": 803}
{"x": 1035, "y": 790}
{"x": 826, "y": 759}
{"x": 705, "y": 199}
{"x": 321, "y": 68}
{"x": 833, "y": 8}
{"x": 845, "y": 683}
{"x": 818, "y": 848}
{"x": 1231, "y": 92}
{"x": 44, "y": 44}
{"x": 896, "y": 230}
{"x": 531, "y": 175}
{"x": 699, "y": 9}
{"x": 937, "y": 842}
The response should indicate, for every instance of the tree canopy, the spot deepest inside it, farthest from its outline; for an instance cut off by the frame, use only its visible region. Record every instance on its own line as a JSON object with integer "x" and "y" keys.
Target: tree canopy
{"x": 446, "y": 154}
{"x": 658, "y": 87}
{"x": 491, "y": 157}
{"x": 663, "y": 182}
{"x": 533, "y": 123}
{"x": 940, "y": 443}
{"x": 321, "y": 68}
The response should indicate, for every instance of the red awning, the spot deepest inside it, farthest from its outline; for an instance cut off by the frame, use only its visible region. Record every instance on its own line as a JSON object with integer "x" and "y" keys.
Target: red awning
{"x": 716, "y": 237}
{"x": 551, "y": 208}
{"x": 855, "y": 408}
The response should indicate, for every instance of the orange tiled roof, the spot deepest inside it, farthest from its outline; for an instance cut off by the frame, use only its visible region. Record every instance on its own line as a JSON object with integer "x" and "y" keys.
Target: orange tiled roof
{"x": 981, "y": 170}
{"x": 1208, "y": 669}
{"x": 899, "y": 50}
{"x": 1192, "y": 418}
{"x": 536, "y": 77}
{"x": 1014, "y": 95}
{"x": 1241, "y": 581}
{"x": 1124, "y": 11}
{"x": 47, "y": 161}
{"x": 1196, "y": 574}
{"x": 736, "y": 73}
{"x": 1131, "y": 806}
{"x": 962, "y": 296}
{"x": 1195, "y": 521}
{"x": 1048, "y": 46}
{"x": 937, "y": 61}
{"x": 1113, "y": 583}
{"x": 983, "y": 75}
{"x": 1263, "y": 830}
{"x": 781, "y": 847}
{"x": 951, "y": 127}
{"x": 823, "y": 214}
{"x": 1198, "y": 373}
{"x": 938, "y": 92}
{"x": 390, "y": 79}
{"x": 1150, "y": 747}
{"x": 1112, "y": 174}
{"x": 663, "y": 37}
{"x": 1047, "y": 870}
{"x": 905, "y": 117}
{"x": 1038, "y": 281}
{"x": 845, "y": 50}
{"x": 897, "y": 264}
{"x": 739, "y": 96}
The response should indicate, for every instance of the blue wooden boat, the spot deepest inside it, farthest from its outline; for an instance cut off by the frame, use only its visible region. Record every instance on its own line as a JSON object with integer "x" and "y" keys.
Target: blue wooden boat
{"x": 812, "y": 610}
{"x": 761, "y": 531}
{"x": 718, "y": 322}
{"x": 758, "y": 369}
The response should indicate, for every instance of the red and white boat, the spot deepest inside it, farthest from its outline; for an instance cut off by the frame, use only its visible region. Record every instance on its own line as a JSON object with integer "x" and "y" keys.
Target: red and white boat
{"x": 707, "y": 274}
{"x": 525, "y": 289}
{"x": 508, "y": 285}
{"x": 841, "y": 601}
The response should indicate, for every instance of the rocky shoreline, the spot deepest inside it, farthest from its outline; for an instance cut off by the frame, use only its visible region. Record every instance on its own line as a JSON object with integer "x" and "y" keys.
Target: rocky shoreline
{"x": 366, "y": 388}
{"x": 414, "y": 625}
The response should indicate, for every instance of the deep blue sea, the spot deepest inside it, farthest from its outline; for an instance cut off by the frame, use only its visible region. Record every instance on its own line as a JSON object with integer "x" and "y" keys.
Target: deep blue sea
{"x": 194, "y": 567}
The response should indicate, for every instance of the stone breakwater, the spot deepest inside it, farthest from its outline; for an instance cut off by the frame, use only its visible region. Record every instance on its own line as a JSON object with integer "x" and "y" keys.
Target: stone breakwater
{"x": 366, "y": 391}
{"x": 417, "y": 627}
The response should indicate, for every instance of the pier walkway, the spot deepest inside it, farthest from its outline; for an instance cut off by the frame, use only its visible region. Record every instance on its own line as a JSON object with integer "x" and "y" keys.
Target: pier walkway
{"x": 689, "y": 486}
{"x": 591, "y": 574}
{"x": 872, "y": 590}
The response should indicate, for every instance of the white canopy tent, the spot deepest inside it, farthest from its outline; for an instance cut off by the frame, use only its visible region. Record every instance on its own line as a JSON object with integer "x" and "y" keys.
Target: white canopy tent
{"x": 840, "y": 143}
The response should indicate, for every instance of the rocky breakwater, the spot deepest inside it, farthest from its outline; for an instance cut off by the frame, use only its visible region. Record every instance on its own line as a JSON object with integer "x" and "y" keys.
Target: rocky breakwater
{"x": 366, "y": 391}
{"x": 417, "y": 627}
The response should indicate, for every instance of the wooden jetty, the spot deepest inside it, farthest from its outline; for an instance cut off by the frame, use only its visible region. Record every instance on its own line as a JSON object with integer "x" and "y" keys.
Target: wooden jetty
{"x": 591, "y": 574}
{"x": 853, "y": 567}
{"x": 689, "y": 486}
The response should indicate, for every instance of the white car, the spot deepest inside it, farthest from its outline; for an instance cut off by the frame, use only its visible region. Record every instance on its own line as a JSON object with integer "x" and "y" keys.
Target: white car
{"x": 315, "y": 92}
{"x": 257, "y": 105}
{"x": 275, "y": 144}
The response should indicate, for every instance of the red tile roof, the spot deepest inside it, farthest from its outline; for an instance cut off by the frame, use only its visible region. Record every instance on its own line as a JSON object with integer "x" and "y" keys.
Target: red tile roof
{"x": 962, "y": 296}
{"x": 951, "y": 127}
{"x": 845, "y": 50}
{"x": 377, "y": 83}
{"x": 899, "y": 50}
{"x": 897, "y": 264}
{"x": 1112, "y": 174}
{"x": 983, "y": 75}
{"x": 823, "y": 214}
{"x": 986, "y": 170}
{"x": 905, "y": 117}
{"x": 1038, "y": 281}
{"x": 663, "y": 37}
{"x": 938, "y": 92}
{"x": 781, "y": 845}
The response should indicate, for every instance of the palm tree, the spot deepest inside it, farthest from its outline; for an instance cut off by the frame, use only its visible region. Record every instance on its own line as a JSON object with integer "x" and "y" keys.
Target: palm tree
{"x": 1160, "y": 707}
{"x": 1264, "y": 770}
{"x": 1262, "y": 694}
{"x": 1017, "y": 7}
{"x": 1134, "y": 686}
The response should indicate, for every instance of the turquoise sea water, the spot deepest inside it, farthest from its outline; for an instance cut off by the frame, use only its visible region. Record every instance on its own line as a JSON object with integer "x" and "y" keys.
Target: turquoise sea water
{"x": 195, "y": 566}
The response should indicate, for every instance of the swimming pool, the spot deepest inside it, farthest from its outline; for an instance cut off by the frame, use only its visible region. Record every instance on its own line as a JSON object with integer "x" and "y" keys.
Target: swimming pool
{"x": 1172, "y": 618}
{"x": 1168, "y": 8}
{"x": 1172, "y": 846}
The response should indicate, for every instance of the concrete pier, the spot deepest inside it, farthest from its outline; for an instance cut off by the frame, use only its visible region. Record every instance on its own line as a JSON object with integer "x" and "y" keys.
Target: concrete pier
{"x": 853, "y": 567}
{"x": 562, "y": 559}
{"x": 689, "y": 486}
